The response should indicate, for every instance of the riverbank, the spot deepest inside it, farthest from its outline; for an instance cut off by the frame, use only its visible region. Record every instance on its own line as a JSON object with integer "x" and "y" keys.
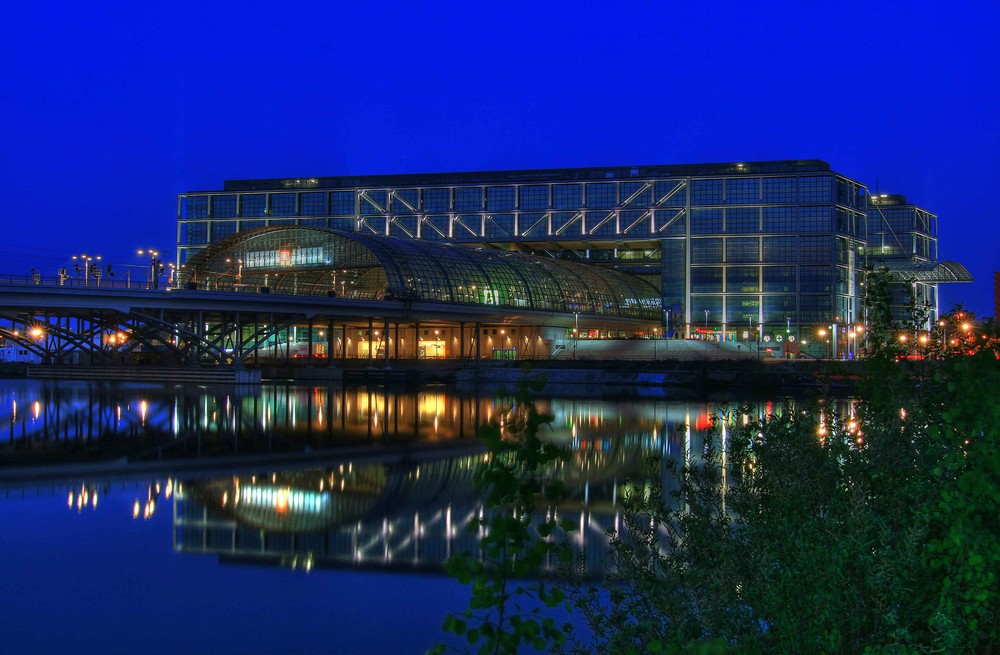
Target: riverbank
{"x": 568, "y": 377}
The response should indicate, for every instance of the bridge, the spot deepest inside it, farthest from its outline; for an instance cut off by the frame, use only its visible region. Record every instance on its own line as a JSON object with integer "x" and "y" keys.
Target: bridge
{"x": 65, "y": 322}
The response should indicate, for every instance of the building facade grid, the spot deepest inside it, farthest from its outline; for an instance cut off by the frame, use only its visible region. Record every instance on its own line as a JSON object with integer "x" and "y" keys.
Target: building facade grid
{"x": 737, "y": 250}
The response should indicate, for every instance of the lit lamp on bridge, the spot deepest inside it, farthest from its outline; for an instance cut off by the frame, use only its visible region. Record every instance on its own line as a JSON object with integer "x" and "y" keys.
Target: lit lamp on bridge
{"x": 86, "y": 260}
{"x": 155, "y": 266}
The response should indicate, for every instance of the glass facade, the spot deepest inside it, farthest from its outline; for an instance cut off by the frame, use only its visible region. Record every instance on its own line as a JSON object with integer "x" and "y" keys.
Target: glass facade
{"x": 765, "y": 241}
{"x": 321, "y": 262}
{"x": 902, "y": 236}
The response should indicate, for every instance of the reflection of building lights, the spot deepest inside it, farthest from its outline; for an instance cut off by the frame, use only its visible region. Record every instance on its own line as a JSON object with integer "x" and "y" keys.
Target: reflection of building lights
{"x": 281, "y": 501}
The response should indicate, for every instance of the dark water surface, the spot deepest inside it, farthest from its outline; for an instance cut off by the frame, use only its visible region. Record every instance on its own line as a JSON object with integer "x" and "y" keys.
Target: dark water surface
{"x": 274, "y": 519}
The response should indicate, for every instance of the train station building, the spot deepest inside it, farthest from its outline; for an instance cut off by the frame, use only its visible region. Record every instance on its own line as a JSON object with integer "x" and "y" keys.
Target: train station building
{"x": 755, "y": 251}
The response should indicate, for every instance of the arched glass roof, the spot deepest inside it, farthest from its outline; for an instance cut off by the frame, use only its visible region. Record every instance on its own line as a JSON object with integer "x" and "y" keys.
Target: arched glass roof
{"x": 305, "y": 260}
{"x": 943, "y": 271}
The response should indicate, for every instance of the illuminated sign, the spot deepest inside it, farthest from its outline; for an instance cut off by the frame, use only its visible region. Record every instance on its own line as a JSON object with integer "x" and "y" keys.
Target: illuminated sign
{"x": 491, "y": 297}
{"x": 286, "y": 257}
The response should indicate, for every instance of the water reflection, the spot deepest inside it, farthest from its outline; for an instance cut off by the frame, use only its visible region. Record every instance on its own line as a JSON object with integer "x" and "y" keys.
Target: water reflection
{"x": 414, "y": 514}
{"x": 381, "y": 479}
{"x": 51, "y": 422}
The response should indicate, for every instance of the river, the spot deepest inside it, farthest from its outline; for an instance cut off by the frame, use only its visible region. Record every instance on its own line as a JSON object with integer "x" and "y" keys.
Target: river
{"x": 273, "y": 518}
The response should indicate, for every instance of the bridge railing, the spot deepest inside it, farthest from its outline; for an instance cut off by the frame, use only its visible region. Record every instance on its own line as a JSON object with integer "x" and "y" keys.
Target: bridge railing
{"x": 103, "y": 282}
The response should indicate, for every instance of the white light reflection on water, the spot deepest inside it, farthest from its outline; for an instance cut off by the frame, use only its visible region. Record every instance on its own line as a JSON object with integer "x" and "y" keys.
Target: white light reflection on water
{"x": 377, "y": 516}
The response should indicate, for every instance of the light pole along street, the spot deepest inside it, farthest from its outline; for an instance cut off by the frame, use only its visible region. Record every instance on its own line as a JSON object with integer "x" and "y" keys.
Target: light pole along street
{"x": 154, "y": 264}
{"x": 86, "y": 260}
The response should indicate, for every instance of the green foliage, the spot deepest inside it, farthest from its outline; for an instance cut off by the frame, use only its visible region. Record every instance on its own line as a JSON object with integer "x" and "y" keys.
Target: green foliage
{"x": 868, "y": 530}
{"x": 863, "y": 527}
{"x": 519, "y": 535}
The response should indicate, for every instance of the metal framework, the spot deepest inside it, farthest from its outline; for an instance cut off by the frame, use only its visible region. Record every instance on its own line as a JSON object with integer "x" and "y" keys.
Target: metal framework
{"x": 321, "y": 262}
{"x": 748, "y": 244}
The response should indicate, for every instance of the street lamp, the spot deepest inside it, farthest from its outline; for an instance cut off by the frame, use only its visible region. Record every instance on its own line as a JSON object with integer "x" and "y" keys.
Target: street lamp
{"x": 576, "y": 331}
{"x": 86, "y": 259}
{"x": 154, "y": 263}
{"x": 822, "y": 336}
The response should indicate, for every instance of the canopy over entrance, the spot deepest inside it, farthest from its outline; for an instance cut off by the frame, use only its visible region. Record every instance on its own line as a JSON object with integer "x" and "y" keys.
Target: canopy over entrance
{"x": 930, "y": 272}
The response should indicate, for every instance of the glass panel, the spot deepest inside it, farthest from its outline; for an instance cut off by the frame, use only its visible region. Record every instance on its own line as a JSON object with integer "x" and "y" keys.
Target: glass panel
{"x": 437, "y": 200}
{"x": 196, "y": 207}
{"x": 815, "y": 189}
{"x": 374, "y": 203}
{"x": 815, "y": 279}
{"x": 699, "y": 305}
{"x": 222, "y": 229}
{"x": 469, "y": 199}
{"x": 405, "y": 201}
{"x": 742, "y": 279}
{"x": 633, "y": 194}
{"x": 779, "y": 278}
{"x": 780, "y": 249}
{"x": 253, "y": 204}
{"x": 779, "y": 190}
{"x": 706, "y": 221}
{"x": 313, "y": 204}
{"x": 567, "y": 196}
{"x": 342, "y": 203}
{"x": 742, "y": 250}
{"x": 500, "y": 198}
{"x": 601, "y": 196}
{"x": 672, "y": 194}
{"x": 534, "y": 197}
{"x": 742, "y": 190}
{"x": 283, "y": 204}
{"x": 195, "y": 233}
{"x": 706, "y": 251}
{"x": 778, "y": 310}
{"x": 223, "y": 206}
{"x": 780, "y": 219}
{"x": 706, "y": 192}
{"x": 741, "y": 309}
{"x": 743, "y": 221}
{"x": 705, "y": 279}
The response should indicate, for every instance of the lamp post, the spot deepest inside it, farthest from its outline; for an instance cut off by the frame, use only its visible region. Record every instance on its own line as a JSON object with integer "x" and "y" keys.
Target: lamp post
{"x": 86, "y": 260}
{"x": 576, "y": 331}
{"x": 822, "y": 336}
{"x": 154, "y": 262}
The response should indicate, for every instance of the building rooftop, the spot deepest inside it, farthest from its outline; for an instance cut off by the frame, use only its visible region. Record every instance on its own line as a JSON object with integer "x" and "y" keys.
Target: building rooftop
{"x": 592, "y": 174}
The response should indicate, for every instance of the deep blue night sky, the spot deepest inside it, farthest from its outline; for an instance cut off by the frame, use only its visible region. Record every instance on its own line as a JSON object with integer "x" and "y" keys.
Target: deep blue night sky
{"x": 110, "y": 109}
